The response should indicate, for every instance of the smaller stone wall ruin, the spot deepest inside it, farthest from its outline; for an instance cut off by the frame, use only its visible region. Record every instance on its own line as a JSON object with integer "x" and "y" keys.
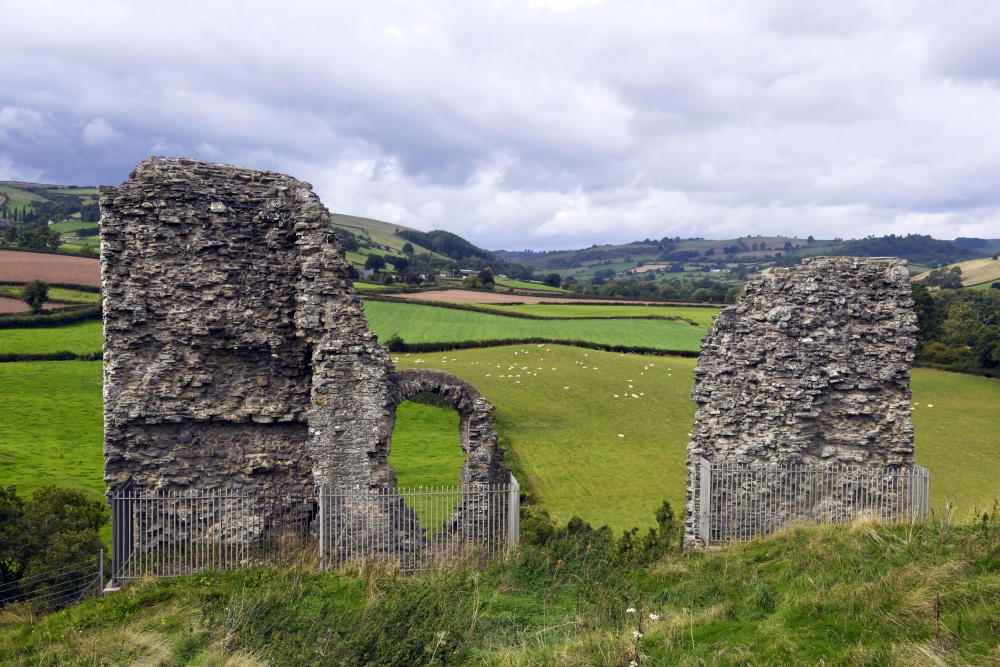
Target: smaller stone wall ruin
{"x": 811, "y": 366}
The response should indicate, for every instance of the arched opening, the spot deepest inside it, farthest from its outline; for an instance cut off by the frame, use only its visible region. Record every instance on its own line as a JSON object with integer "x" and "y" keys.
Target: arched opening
{"x": 426, "y": 442}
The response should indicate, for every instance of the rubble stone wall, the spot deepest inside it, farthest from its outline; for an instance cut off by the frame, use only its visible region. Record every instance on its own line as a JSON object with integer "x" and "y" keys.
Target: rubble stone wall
{"x": 812, "y": 365}
{"x": 236, "y": 353}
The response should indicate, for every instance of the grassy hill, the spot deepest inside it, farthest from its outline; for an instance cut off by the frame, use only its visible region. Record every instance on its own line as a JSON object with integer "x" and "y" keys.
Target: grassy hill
{"x": 983, "y": 271}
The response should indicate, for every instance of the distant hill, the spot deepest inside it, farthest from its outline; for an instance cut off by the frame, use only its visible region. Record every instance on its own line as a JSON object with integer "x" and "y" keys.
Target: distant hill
{"x": 974, "y": 271}
{"x": 916, "y": 248}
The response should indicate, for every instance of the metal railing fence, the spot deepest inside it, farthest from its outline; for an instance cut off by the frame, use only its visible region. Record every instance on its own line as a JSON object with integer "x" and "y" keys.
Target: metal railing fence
{"x": 739, "y": 502}
{"x": 56, "y": 588}
{"x": 413, "y": 529}
{"x": 170, "y": 533}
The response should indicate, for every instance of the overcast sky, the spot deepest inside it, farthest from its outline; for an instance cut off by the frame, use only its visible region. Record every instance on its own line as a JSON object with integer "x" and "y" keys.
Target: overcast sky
{"x": 538, "y": 124}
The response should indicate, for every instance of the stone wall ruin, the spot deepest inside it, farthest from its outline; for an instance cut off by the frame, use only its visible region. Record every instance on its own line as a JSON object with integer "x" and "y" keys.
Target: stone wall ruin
{"x": 236, "y": 353}
{"x": 811, "y": 366}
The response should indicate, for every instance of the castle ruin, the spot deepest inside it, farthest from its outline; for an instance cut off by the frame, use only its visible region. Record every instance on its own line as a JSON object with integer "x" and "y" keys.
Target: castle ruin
{"x": 236, "y": 353}
{"x": 811, "y": 366}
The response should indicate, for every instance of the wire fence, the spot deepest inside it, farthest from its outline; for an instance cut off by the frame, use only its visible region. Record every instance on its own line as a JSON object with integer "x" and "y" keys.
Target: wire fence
{"x": 170, "y": 533}
{"x": 739, "y": 502}
{"x": 56, "y": 588}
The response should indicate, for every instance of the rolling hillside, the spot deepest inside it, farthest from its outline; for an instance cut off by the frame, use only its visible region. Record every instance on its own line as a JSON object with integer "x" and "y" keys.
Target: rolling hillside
{"x": 980, "y": 271}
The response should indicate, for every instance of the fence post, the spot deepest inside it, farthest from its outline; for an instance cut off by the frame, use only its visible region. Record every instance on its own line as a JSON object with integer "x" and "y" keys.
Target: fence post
{"x": 513, "y": 513}
{"x": 322, "y": 528}
{"x": 705, "y": 499}
{"x": 100, "y": 574}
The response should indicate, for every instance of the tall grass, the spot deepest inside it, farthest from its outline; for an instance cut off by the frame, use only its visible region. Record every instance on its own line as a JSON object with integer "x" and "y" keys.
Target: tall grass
{"x": 864, "y": 594}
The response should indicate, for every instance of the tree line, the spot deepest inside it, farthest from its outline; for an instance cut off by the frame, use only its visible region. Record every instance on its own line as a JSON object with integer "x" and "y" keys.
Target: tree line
{"x": 959, "y": 329}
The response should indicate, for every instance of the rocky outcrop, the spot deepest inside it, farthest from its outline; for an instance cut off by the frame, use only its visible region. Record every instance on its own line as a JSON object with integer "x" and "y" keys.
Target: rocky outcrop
{"x": 812, "y": 365}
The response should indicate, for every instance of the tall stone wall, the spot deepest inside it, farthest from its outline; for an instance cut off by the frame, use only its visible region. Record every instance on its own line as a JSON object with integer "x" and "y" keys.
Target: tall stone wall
{"x": 812, "y": 365}
{"x": 236, "y": 352}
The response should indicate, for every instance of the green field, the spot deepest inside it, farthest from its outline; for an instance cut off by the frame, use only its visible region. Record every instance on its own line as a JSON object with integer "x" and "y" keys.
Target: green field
{"x": 51, "y": 425}
{"x": 427, "y": 324}
{"x": 55, "y": 294}
{"x": 72, "y": 226}
{"x": 79, "y": 338}
{"x": 425, "y": 446}
{"x": 557, "y": 405}
{"x": 535, "y": 287}
{"x": 700, "y": 316}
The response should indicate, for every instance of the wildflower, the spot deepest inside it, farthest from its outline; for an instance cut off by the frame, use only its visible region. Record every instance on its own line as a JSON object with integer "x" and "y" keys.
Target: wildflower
{"x": 630, "y": 610}
{"x": 622, "y": 435}
{"x": 654, "y": 617}
{"x": 565, "y": 387}
{"x": 637, "y": 634}
{"x": 616, "y": 395}
{"x": 930, "y": 405}
{"x": 489, "y": 375}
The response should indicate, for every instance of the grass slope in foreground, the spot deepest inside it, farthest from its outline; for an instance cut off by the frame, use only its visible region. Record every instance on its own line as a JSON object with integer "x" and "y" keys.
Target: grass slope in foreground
{"x": 429, "y": 324}
{"x": 855, "y": 595}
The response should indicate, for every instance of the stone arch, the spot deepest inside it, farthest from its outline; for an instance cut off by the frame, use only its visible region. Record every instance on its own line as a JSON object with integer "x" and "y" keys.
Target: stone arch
{"x": 477, "y": 437}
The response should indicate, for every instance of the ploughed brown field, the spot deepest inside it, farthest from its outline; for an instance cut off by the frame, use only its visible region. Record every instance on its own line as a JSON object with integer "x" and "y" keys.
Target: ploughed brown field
{"x": 8, "y": 306}
{"x": 22, "y": 267}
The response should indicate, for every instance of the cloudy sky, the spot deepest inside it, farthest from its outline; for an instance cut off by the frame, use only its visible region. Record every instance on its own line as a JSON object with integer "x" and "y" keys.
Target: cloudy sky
{"x": 538, "y": 124}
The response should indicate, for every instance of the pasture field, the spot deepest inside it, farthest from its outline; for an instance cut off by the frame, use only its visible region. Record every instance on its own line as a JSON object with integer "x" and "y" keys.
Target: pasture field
{"x": 51, "y": 425}
{"x": 72, "y": 226}
{"x": 429, "y": 324}
{"x": 585, "y": 451}
{"x": 700, "y": 316}
{"x": 55, "y": 294}
{"x": 79, "y": 338}
{"x": 567, "y": 439}
{"x": 974, "y": 271}
{"x": 425, "y": 446}
{"x": 536, "y": 287}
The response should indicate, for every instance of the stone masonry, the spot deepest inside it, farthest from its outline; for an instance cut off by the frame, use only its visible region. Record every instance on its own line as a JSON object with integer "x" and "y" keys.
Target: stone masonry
{"x": 236, "y": 352}
{"x": 812, "y": 366}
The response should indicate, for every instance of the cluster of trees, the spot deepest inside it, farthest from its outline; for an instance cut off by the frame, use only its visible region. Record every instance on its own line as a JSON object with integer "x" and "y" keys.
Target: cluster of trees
{"x": 959, "y": 329}
{"x": 699, "y": 290}
{"x": 945, "y": 278}
{"x": 916, "y": 248}
{"x": 31, "y": 237}
{"x": 53, "y": 529}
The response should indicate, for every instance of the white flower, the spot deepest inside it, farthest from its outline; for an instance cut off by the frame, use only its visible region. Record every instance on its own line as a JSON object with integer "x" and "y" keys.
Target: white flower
{"x": 616, "y": 395}
{"x": 630, "y": 610}
{"x": 622, "y": 435}
{"x": 636, "y": 634}
{"x": 654, "y": 617}
{"x": 565, "y": 387}
{"x": 489, "y": 375}
{"x": 930, "y": 405}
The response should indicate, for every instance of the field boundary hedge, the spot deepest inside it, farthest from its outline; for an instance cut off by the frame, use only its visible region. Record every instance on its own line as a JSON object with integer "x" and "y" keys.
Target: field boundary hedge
{"x": 399, "y": 345}
{"x": 93, "y": 289}
{"x": 479, "y": 308}
{"x": 70, "y": 315}
{"x": 51, "y": 356}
